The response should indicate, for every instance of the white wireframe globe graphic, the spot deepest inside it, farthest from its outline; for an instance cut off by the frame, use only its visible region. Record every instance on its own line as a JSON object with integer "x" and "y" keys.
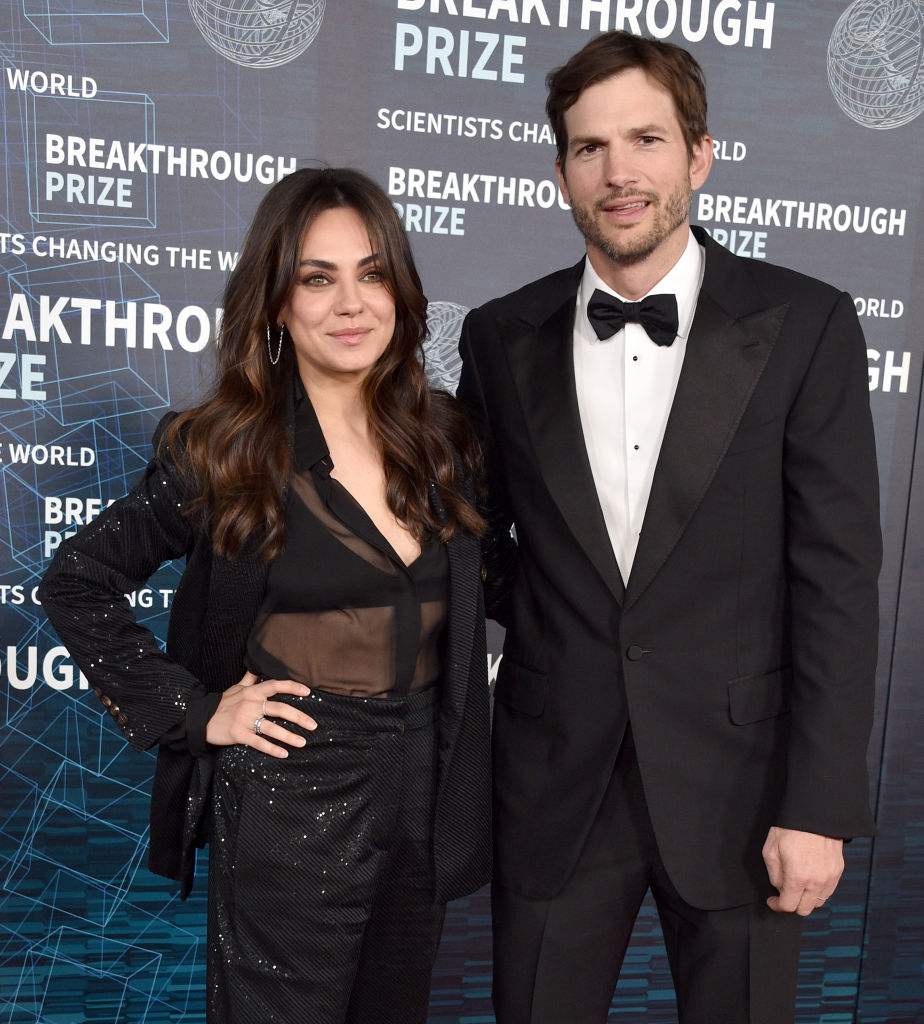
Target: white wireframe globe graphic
{"x": 258, "y": 33}
{"x": 442, "y": 361}
{"x": 875, "y": 62}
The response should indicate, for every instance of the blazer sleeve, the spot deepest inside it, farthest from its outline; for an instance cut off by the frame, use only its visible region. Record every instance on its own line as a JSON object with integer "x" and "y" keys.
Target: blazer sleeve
{"x": 84, "y": 596}
{"x": 834, "y": 551}
{"x": 498, "y": 547}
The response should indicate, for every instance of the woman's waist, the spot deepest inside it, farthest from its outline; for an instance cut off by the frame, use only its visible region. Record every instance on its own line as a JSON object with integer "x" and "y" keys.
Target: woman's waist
{"x": 349, "y": 712}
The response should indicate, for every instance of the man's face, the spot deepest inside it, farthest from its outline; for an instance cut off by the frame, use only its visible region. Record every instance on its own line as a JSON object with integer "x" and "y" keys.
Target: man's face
{"x": 627, "y": 174}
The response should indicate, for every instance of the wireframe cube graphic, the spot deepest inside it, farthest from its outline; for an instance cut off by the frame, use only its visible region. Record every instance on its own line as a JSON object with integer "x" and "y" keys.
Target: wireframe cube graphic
{"x": 94, "y": 380}
{"x": 95, "y": 22}
{"x": 89, "y": 183}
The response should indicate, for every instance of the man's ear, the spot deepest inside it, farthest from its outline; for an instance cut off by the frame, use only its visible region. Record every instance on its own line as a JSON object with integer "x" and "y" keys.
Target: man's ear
{"x": 562, "y": 184}
{"x": 700, "y": 162}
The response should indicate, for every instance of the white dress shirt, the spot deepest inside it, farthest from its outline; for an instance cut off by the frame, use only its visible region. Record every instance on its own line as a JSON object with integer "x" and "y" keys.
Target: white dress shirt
{"x": 625, "y": 388}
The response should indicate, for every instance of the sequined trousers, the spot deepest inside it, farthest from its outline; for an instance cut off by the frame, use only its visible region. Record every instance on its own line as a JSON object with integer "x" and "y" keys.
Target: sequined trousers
{"x": 321, "y": 869}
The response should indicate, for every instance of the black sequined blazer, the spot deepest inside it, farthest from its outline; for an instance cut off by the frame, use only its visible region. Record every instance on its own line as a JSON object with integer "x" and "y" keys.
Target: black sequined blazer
{"x": 146, "y": 690}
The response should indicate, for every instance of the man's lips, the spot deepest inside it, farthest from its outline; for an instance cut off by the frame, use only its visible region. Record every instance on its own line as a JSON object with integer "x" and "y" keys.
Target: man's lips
{"x": 625, "y": 205}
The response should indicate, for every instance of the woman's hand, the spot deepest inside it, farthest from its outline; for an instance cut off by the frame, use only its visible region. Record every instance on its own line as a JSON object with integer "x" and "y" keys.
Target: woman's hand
{"x": 248, "y": 701}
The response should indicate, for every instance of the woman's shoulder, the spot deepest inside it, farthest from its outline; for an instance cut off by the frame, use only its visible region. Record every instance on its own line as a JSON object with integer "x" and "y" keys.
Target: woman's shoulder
{"x": 168, "y": 445}
{"x": 161, "y": 429}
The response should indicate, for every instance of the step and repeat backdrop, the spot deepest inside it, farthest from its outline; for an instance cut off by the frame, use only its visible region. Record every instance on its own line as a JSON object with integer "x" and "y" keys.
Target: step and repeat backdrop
{"x": 138, "y": 137}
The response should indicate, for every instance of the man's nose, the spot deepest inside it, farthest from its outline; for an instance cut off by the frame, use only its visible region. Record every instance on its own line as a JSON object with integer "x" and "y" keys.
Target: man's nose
{"x": 619, "y": 167}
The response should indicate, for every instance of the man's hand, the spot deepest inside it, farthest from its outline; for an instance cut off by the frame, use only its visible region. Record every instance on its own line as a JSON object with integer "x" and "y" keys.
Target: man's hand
{"x": 804, "y": 867}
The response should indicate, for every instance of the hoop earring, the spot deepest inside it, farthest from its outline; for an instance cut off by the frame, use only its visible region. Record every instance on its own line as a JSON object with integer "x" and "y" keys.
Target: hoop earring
{"x": 269, "y": 344}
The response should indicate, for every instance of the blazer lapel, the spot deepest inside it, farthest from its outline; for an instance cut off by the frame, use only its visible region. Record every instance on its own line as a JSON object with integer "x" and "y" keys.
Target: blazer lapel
{"x": 542, "y": 363}
{"x": 464, "y": 553}
{"x": 726, "y": 354}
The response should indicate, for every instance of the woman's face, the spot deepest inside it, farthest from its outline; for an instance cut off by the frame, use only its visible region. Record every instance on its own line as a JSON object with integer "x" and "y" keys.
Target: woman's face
{"x": 339, "y": 313}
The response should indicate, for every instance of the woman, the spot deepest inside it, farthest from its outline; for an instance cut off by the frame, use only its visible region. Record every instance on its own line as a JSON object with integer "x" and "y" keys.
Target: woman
{"x": 321, "y": 711}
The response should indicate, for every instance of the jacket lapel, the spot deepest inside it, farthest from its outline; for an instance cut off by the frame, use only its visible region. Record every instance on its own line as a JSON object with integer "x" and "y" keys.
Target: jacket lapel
{"x": 542, "y": 364}
{"x": 730, "y": 342}
{"x": 464, "y": 552}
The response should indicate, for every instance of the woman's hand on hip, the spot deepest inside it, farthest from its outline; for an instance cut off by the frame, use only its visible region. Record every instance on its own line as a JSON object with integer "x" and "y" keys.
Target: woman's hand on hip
{"x": 247, "y": 714}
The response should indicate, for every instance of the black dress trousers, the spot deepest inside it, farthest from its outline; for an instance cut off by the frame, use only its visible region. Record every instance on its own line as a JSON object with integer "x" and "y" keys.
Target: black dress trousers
{"x": 321, "y": 906}
{"x": 557, "y": 961}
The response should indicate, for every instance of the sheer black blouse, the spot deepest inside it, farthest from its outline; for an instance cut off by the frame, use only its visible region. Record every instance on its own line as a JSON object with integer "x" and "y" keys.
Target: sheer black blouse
{"x": 342, "y": 612}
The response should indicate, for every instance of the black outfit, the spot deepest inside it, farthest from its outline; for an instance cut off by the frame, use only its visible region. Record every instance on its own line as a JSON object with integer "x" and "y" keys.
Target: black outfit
{"x": 741, "y": 650}
{"x": 400, "y": 814}
{"x": 561, "y": 956}
{"x": 342, "y": 612}
{"x": 321, "y": 904}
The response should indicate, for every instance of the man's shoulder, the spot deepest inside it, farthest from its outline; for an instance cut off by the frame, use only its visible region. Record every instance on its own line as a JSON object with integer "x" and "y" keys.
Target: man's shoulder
{"x": 773, "y": 276}
{"x": 770, "y": 280}
{"x": 536, "y": 301}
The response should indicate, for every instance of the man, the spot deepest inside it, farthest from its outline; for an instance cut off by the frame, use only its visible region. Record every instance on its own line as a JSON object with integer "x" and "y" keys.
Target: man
{"x": 685, "y": 697}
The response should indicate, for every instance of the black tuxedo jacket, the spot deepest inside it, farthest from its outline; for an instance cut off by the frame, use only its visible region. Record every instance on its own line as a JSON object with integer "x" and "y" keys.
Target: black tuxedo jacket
{"x": 147, "y": 690}
{"x": 742, "y": 648}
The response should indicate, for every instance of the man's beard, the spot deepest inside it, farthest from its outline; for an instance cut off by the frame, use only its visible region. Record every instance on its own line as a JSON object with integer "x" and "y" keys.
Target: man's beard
{"x": 635, "y": 249}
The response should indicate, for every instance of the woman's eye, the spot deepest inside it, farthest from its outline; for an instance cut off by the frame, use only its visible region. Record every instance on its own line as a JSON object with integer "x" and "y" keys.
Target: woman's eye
{"x": 315, "y": 280}
{"x": 375, "y": 276}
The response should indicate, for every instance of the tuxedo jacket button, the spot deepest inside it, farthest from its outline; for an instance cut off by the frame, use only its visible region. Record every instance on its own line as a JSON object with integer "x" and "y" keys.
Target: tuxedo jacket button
{"x": 635, "y": 653}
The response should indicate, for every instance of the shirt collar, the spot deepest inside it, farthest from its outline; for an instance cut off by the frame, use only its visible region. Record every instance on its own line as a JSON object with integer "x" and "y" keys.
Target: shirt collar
{"x": 311, "y": 451}
{"x": 683, "y": 280}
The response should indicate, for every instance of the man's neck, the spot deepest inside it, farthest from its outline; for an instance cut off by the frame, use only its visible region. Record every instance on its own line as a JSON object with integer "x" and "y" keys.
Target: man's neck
{"x": 634, "y": 280}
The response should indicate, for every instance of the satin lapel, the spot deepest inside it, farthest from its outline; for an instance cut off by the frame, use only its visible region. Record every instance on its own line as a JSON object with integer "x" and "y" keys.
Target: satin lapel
{"x": 724, "y": 360}
{"x": 542, "y": 364}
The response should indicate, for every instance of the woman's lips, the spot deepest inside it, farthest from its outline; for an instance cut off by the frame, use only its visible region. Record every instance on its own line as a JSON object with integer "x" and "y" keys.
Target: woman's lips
{"x": 352, "y": 336}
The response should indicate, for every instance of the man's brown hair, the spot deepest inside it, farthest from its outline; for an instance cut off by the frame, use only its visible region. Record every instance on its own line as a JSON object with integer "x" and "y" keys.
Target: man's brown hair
{"x": 611, "y": 53}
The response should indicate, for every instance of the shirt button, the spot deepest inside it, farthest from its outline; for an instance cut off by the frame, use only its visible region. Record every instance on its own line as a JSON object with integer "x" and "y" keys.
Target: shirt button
{"x": 636, "y": 653}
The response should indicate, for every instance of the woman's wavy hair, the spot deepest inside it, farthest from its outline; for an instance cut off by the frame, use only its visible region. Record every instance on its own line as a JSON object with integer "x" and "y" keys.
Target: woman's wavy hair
{"x": 236, "y": 446}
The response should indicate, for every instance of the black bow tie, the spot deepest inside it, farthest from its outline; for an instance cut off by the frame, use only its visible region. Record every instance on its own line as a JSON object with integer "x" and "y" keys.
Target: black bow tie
{"x": 656, "y": 313}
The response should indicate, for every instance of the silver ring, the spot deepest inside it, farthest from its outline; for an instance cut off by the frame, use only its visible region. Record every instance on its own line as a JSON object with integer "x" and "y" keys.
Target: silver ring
{"x": 257, "y": 725}
{"x": 263, "y": 710}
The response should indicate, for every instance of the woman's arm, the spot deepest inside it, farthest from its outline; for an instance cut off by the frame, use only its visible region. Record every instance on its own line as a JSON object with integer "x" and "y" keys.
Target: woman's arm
{"x": 84, "y": 595}
{"x": 151, "y": 697}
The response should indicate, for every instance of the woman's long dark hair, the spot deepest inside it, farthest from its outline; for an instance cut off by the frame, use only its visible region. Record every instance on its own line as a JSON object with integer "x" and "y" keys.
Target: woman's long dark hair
{"x": 235, "y": 444}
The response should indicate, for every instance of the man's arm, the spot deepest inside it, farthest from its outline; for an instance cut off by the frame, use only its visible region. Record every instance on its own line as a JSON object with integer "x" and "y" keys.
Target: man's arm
{"x": 833, "y": 556}
{"x": 498, "y": 548}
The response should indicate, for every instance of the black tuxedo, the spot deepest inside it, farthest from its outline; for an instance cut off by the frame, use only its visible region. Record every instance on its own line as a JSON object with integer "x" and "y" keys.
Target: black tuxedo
{"x": 742, "y": 648}
{"x": 216, "y": 602}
